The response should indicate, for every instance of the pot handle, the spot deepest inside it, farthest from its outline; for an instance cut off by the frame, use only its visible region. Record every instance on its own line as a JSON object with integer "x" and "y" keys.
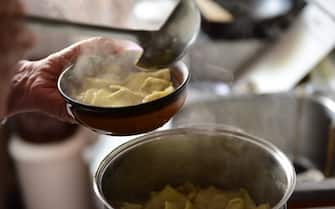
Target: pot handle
{"x": 313, "y": 194}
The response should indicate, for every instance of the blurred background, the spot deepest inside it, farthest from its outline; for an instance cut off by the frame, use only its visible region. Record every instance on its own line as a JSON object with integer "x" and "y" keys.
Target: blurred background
{"x": 265, "y": 66}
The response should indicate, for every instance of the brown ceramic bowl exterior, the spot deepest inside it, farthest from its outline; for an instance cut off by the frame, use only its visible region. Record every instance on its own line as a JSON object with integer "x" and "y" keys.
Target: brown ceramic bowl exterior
{"x": 128, "y": 120}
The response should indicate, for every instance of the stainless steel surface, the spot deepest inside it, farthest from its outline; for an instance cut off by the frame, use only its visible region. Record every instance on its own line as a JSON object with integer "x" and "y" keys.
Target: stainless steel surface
{"x": 208, "y": 155}
{"x": 297, "y": 51}
{"x": 314, "y": 194}
{"x": 231, "y": 55}
{"x": 298, "y": 125}
{"x": 161, "y": 48}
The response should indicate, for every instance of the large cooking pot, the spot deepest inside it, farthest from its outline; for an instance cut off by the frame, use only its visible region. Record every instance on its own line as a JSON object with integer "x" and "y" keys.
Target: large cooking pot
{"x": 224, "y": 157}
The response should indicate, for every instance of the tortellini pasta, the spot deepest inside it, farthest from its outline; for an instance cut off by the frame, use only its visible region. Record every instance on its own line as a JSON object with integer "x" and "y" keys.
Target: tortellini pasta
{"x": 136, "y": 88}
{"x": 189, "y": 196}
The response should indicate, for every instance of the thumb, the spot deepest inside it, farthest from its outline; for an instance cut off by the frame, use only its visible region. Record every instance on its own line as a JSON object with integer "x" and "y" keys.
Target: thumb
{"x": 64, "y": 58}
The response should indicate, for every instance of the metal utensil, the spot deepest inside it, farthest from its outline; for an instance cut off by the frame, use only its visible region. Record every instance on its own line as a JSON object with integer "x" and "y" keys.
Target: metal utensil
{"x": 206, "y": 155}
{"x": 161, "y": 48}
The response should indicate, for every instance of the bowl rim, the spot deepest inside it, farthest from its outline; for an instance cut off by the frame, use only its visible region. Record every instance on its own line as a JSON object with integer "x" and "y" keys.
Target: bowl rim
{"x": 181, "y": 66}
{"x": 204, "y": 129}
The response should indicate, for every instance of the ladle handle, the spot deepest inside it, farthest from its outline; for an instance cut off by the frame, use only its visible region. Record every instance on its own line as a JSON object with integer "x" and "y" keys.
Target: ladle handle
{"x": 82, "y": 28}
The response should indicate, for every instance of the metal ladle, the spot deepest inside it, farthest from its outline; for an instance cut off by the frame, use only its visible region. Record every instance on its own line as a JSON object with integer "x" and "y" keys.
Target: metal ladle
{"x": 161, "y": 48}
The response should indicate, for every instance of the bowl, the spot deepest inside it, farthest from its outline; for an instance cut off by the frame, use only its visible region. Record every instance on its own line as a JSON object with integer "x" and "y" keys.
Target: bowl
{"x": 224, "y": 157}
{"x": 128, "y": 120}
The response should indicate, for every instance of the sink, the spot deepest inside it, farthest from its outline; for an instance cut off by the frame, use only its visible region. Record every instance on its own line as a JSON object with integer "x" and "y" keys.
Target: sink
{"x": 301, "y": 126}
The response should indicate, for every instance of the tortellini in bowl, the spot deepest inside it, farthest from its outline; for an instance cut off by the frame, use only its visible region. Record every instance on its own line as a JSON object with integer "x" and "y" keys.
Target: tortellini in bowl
{"x": 126, "y": 101}
{"x": 136, "y": 88}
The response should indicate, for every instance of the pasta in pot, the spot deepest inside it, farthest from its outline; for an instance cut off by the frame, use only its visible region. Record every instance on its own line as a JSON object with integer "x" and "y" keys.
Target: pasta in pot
{"x": 135, "y": 88}
{"x": 189, "y": 196}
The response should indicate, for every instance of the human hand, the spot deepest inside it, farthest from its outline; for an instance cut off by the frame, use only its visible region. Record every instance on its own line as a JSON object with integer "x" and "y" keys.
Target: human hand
{"x": 34, "y": 85}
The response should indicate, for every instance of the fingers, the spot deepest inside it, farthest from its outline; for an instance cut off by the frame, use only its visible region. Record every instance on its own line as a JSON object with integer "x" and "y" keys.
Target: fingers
{"x": 64, "y": 58}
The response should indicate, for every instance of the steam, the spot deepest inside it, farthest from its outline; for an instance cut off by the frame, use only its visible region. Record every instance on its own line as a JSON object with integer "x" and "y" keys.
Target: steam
{"x": 209, "y": 81}
{"x": 107, "y": 60}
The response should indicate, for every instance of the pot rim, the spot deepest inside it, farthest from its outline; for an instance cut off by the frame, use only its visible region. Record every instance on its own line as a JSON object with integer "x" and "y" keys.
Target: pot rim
{"x": 204, "y": 129}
